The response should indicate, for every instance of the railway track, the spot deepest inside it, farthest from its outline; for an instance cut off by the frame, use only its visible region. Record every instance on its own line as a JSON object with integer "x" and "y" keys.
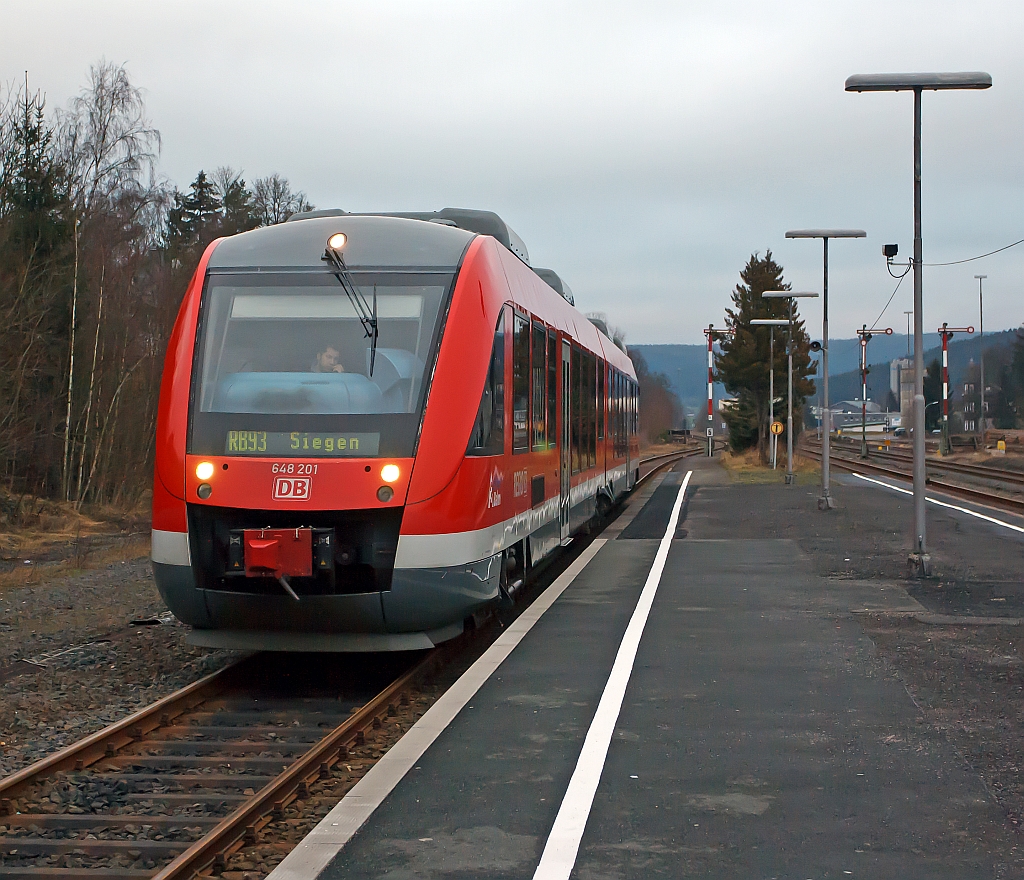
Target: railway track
{"x": 900, "y": 466}
{"x": 174, "y": 787}
{"x": 178, "y": 787}
{"x": 941, "y": 463}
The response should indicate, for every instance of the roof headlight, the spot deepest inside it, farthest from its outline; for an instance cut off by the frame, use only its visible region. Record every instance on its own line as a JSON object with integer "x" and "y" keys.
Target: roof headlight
{"x": 337, "y": 241}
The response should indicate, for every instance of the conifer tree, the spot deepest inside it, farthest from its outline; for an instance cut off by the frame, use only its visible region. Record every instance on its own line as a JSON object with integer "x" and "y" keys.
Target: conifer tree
{"x": 743, "y": 365}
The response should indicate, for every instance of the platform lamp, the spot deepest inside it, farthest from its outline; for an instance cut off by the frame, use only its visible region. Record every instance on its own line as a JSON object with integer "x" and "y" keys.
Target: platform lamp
{"x": 825, "y": 502}
{"x": 772, "y": 323}
{"x": 790, "y": 295}
{"x": 918, "y": 82}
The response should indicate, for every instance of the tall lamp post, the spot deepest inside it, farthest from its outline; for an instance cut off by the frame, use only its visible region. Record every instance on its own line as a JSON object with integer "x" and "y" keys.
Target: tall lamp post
{"x": 825, "y": 502}
{"x": 771, "y": 323}
{"x": 790, "y": 295}
{"x": 918, "y": 82}
{"x": 981, "y": 356}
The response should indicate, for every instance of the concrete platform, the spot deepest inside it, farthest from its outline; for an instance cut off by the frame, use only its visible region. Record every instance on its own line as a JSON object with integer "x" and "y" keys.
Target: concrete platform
{"x": 759, "y": 736}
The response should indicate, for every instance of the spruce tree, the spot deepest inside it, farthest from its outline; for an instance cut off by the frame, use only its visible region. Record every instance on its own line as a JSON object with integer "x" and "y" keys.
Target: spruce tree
{"x": 743, "y": 365}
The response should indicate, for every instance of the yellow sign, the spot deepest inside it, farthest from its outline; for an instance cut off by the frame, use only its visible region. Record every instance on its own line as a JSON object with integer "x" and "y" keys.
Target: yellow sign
{"x": 1001, "y": 445}
{"x": 777, "y": 428}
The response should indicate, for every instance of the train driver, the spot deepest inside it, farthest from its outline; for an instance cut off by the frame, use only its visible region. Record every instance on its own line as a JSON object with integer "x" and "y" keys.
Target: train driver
{"x": 327, "y": 361}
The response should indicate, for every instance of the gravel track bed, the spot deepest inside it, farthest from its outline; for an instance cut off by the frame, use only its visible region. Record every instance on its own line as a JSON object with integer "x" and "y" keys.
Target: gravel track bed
{"x": 112, "y": 669}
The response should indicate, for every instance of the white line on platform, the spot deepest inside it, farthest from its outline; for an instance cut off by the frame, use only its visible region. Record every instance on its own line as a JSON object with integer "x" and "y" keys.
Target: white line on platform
{"x": 324, "y": 842}
{"x": 938, "y": 503}
{"x": 562, "y": 847}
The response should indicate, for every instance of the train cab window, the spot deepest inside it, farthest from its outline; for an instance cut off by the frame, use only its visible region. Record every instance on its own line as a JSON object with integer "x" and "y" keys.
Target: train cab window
{"x": 520, "y": 384}
{"x": 295, "y": 345}
{"x": 488, "y": 437}
{"x": 552, "y": 388}
{"x": 538, "y": 384}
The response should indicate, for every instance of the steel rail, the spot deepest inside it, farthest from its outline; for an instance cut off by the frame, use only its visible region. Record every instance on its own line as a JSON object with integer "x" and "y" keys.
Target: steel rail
{"x": 245, "y": 823}
{"x": 990, "y": 498}
{"x": 127, "y": 731}
{"x": 939, "y": 463}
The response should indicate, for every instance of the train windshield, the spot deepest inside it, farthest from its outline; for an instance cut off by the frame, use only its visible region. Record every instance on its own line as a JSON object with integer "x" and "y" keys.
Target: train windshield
{"x": 285, "y": 356}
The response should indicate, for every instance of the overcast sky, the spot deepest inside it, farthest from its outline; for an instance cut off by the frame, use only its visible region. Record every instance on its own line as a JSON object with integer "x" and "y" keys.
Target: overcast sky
{"x": 642, "y": 150}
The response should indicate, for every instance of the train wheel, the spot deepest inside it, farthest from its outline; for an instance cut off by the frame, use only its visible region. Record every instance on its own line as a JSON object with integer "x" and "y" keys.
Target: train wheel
{"x": 513, "y": 572}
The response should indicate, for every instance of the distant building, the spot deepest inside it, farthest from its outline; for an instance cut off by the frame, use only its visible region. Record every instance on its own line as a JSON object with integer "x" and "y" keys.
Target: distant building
{"x": 965, "y": 406}
{"x": 901, "y": 384}
{"x": 847, "y": 413}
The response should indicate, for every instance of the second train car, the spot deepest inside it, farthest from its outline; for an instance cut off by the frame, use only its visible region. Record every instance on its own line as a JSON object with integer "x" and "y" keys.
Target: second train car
{"x": 373, "y": 426}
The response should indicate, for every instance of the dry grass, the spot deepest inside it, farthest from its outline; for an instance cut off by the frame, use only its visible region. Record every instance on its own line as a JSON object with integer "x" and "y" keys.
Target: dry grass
{"x": 746, "y": 467}
{"x": 41, "y": 538}
{"x": 83, "y": 557}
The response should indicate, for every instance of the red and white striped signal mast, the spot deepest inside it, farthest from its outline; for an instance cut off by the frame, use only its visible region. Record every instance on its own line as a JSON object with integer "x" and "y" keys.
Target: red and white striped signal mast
{"x": 865, "y": 335}
{"x": 947, "y": 333}
{"x": 712, "y": 334}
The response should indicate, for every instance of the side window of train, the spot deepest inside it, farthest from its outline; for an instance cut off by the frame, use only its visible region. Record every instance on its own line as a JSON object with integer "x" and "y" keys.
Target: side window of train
{"x": 488, "y": 437}
{"x": 592, "y": 368}
{"x": 520, "y": 383}
{"x": 602, "y": 370}
{"x": 635, "y": 408}
{"x": 552, "y": 388}
{"x": 575, "y": 374}
{"x": 538, "y": 386}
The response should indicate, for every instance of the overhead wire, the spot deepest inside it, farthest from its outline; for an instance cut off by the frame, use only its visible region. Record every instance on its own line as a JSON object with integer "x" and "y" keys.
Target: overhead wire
{"x": 951, "y": 263}
{"x": 891, "y": 296}
{"x": 979, "y": 257}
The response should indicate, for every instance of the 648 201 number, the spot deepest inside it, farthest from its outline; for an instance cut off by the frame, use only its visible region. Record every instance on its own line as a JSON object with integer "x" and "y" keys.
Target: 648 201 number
{"x": 293, "y": 467}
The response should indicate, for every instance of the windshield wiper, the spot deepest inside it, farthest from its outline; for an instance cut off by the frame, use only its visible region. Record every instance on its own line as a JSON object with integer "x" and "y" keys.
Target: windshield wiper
{"x": 366, "y": 312}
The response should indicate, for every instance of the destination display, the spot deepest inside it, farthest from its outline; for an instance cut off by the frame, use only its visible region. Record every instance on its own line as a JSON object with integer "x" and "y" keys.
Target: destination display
{"x": 301, "y": 444}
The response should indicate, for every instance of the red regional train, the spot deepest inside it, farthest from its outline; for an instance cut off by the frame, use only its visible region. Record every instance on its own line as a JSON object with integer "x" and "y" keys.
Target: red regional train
{"x": 372, "y": 427}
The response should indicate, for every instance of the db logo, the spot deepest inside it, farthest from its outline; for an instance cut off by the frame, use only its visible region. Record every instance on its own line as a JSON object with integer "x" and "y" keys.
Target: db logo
{"x": 292, "y": 488}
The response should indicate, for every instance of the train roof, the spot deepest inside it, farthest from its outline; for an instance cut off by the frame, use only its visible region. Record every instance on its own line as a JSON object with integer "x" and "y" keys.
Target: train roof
{"x": 401, "y": 239}
{"x": 376, "y": 241}
{"x": 480, "y": 222}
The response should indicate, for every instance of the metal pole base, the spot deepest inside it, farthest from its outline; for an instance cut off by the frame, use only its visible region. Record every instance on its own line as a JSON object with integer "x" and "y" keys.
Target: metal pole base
{"x": 919, "y": 565}
{"x": 826, "y": 502}
{"x": 789, "y": 479}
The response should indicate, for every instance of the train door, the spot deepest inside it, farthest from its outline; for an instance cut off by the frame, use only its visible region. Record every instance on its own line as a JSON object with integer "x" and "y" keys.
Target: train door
{"x": 564, "y": 463}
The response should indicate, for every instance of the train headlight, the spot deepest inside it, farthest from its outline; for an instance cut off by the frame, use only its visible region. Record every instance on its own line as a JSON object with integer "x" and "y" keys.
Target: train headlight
{"x": 204, "y": 470}
{"x": 389, "y": 473}
{"x": 337, "y": 241}
{"x": 385, "y": 494}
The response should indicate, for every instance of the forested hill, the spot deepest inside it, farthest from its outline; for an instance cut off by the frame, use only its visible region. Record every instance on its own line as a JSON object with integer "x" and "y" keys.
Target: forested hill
{"x": 686, "y": 365}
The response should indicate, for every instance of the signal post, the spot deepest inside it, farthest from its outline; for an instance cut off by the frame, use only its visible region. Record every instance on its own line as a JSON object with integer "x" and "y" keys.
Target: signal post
{"x": 946, "y": 332}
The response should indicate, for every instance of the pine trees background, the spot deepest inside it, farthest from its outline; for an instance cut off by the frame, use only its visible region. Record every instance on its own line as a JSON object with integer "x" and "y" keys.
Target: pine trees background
{"x": 96, "y": 250}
